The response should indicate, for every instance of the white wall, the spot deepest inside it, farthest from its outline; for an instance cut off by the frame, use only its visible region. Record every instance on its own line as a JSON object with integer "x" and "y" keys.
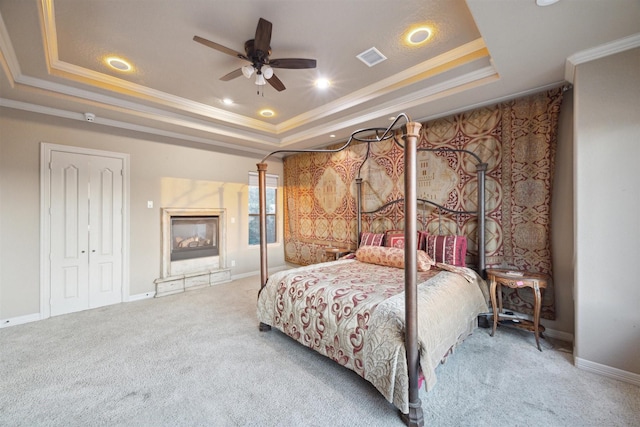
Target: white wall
{"x": 169, "y": 175}
{"x": 607, "y": 211}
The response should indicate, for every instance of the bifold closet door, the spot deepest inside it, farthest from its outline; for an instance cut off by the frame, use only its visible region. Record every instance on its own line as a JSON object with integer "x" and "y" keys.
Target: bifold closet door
{"x": 86, "y": 231}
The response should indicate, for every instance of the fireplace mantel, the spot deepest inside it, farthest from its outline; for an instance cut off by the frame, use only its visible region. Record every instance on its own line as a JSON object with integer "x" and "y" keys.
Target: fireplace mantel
{"x": 178, "y": 276}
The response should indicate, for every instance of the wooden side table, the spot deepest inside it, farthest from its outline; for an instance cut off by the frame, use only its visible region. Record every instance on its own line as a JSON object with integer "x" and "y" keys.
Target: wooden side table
{"x": 336, "y": 253}
{"x": 517, "y": 279}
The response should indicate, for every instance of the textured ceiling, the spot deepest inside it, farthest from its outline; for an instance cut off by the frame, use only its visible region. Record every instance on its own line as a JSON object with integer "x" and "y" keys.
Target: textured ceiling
{"x": 481, "y": 51}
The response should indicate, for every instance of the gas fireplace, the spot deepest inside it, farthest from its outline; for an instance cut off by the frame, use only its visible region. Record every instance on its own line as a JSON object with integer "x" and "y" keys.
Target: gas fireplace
{"x": 193, "y": 249}
{"x": 194, "y": 237}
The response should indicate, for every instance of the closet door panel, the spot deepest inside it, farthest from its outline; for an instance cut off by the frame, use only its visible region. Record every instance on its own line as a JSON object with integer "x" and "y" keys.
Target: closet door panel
{"x": 69, "y": 233}
{"x": 105, "y": 266}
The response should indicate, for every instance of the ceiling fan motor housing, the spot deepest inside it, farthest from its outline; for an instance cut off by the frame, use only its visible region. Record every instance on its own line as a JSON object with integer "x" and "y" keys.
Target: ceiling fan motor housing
{"x": 258, "y": 57}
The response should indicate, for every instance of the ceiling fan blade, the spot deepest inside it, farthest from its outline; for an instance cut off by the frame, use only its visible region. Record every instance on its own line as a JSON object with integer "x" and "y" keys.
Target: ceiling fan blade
{"x": 219, "y": 47}
{"x": 294, "y": 63}
{"x": 276, "y": 83}
{"x": 232, "y": 75}
{"x": 263, "y": 36}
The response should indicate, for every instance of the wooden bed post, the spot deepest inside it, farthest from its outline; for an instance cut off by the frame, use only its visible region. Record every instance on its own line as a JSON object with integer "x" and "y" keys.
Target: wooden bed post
{"x": 415, "y": 415}
{"x": 262, "y": 190}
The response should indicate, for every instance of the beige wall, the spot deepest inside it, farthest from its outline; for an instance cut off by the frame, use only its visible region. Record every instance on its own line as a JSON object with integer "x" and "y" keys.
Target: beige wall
{"x": 562, "y": 224}
{"x": 168, "y": 175}
{"x": 607, "y": 207}
{"x": 175, "y": 176}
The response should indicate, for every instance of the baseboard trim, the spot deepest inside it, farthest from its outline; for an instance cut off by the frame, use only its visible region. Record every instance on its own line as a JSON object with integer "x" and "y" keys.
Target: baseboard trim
{"x": 139, "y": 297}
{"x": 13, "y": 321}
{"x": 559, "y": 335}
{"x": 607, "y": 371}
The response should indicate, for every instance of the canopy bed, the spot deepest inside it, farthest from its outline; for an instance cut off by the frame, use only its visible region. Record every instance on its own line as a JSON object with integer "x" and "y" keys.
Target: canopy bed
{"x": 390, "y": 313}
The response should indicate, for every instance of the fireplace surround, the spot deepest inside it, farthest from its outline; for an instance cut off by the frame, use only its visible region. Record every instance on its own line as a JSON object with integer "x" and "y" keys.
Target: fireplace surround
{"x": 193, "y": 250}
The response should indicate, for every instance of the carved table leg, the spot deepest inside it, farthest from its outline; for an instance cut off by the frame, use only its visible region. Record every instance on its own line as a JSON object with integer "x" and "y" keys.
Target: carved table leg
{"x": 536, "y": 312}
{"x": 494, "y": 304}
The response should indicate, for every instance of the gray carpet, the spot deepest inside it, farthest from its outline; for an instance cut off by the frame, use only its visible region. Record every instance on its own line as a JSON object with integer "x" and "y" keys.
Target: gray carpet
{"x": 197, "y": 359}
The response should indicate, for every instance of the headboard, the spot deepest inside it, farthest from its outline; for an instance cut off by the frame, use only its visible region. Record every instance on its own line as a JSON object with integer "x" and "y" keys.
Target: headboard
{"x": 480, "y": 213}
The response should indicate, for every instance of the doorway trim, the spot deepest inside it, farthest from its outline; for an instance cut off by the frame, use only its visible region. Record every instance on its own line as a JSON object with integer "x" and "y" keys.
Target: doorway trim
{"x": 46, "y": 149}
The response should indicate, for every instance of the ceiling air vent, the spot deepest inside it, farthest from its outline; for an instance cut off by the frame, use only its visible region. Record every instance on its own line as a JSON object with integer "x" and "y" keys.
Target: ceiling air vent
{"x": 371, "y": 57}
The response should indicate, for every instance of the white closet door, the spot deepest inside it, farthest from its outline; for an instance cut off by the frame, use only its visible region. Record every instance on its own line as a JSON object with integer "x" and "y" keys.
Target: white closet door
{"x": 105, "y": 231}
{"x": 86, "y": 231}
{"x": 69, "y": 232}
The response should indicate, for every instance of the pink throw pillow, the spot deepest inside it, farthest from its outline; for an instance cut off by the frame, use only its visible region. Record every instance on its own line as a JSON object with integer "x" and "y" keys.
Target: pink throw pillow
{"x": 447, "y": 249}
{"x": 394, "y": 239}
{"x": 371, "y": 239}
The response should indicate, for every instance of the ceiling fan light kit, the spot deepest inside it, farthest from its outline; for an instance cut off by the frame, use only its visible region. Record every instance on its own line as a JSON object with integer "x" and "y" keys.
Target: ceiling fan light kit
{"x": 247, "y": 71}
{"x": 257, "y": 52}
{"x": 267, "y": 71}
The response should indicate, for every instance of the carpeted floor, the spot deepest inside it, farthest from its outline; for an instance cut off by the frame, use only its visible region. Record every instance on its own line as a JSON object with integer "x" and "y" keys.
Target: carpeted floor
{"x": 197, "y": 359}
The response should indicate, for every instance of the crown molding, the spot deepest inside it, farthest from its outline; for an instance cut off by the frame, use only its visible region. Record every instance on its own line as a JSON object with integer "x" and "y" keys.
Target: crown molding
{"x": 429, "y": 94}
{"x": 72, "y": 115}
{"x": 83, "y": 75}
{"x": 451, "y": 59}
{"x": 439, "y": 64}
{"x": 607, "y": 49}
{"x": 139, "y": 110}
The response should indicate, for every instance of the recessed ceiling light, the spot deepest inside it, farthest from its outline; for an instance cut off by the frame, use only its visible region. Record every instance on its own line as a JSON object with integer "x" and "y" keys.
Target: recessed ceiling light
{"x": 322, "y": 83}
{"x": 118, "y": 64}
{"x": 332, "y": 136}
{"x": 418, "y": 35}
{"x": 546, "y": 2}
{"x": 267, "y": 113}
{"x": 227, "y": 101}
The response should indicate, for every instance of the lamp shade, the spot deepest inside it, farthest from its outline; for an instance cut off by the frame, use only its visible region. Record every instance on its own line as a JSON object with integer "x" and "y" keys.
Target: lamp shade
{"x": 267, "y": 71}
{"x": 247, "y": 70}
{"x": 260, "y": 79}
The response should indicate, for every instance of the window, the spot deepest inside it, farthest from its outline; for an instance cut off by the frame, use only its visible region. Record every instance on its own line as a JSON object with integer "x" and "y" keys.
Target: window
{"x": 254, "y": 208}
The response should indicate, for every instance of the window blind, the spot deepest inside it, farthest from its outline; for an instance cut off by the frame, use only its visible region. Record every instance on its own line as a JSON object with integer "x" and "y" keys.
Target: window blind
{"x": 271, "y": 180}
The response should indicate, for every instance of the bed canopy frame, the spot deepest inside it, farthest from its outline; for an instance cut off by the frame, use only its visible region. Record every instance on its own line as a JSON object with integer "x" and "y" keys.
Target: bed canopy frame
{"x": 411, "y": 136}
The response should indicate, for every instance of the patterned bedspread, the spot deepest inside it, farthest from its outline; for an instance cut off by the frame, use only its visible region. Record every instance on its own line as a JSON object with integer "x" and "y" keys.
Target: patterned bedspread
{"x": 353, "y": 313}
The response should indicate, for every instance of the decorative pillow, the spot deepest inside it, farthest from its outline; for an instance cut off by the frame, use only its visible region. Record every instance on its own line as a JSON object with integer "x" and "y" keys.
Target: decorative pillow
{"x": 394, "y": 239}
{"x": 371, "y": 239}
{"x": 391, "y": 257}
{"x": 424, "y": 261}
{"x": 447, "y": 249}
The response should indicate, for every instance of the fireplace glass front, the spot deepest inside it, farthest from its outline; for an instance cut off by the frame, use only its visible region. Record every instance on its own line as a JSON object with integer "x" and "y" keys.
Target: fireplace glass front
{"x": 194, "y": 237}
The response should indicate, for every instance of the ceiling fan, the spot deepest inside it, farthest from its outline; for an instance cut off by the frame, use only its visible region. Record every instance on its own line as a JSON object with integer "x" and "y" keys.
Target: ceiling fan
{"x": 257, "y": 51}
